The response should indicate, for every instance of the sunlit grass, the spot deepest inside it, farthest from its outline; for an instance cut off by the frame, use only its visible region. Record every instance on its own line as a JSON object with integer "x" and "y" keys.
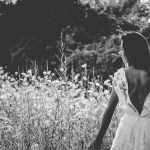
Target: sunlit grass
{"x": 47, "y": 114}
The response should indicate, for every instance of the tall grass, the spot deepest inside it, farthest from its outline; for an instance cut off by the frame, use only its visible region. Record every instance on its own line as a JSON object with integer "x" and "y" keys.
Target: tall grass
{"x": 43, "y": 113}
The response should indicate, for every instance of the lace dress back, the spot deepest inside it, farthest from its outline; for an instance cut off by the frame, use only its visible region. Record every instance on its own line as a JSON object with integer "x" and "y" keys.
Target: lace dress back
{"x": 133, "y": 132}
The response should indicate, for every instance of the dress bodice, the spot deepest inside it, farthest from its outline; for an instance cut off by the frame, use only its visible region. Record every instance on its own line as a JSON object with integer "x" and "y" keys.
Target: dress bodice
{"x": 121, "y": 87}
{"x": 133, "y": 131}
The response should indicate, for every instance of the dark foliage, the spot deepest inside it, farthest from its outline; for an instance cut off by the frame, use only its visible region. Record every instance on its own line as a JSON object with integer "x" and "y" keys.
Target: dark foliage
{"x": 30, "y": 32}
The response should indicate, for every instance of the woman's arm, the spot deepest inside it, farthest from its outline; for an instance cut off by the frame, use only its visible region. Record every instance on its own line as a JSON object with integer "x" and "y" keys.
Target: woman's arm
{"x": 106, "y": 120}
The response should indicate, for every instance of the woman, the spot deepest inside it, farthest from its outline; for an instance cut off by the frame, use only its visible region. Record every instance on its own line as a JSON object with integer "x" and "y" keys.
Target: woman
{"x": 131, "y": 89}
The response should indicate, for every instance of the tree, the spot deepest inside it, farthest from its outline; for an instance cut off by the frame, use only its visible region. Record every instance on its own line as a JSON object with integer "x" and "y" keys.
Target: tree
{"x": 31, "y": 29}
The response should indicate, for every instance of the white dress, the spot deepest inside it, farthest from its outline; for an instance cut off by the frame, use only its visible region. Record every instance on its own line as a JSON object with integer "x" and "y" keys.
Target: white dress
{"x": 133, "y": 132}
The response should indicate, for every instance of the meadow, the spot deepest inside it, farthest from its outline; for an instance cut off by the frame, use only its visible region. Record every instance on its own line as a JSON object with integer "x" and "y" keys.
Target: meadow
{"x": 45, "y": 113}
{"x": 56, "y": 111}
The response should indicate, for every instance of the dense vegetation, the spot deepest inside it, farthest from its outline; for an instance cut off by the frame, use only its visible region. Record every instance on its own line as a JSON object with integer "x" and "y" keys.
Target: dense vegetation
{"x": 48, "y": 114}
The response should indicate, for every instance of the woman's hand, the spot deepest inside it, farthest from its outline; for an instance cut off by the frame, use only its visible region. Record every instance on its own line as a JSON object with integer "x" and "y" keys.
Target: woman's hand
{"x": 92, "y": 147}
{"x": 96, "y": 145}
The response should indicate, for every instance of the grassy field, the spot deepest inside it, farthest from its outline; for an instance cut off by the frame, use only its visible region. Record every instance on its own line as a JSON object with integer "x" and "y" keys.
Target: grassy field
{"x": 52, "y": 114}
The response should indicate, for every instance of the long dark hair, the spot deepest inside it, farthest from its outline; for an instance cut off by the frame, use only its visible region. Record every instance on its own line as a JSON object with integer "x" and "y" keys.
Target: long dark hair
{"x": 136, "y": 49}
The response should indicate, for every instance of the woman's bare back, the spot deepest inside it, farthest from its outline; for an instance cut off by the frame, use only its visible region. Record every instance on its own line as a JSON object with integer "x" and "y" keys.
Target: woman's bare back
{"x": 138, "y": 85}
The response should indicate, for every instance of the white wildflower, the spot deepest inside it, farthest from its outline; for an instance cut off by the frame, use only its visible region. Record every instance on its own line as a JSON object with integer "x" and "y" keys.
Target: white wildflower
{"x": 107, "y": 82}
{"x": 97, "y": 84}
{"x": 33, "y": 77}
{"x": 29, "y": 71}
{"x": 16, "y": 73}
{"x": 84, "y": 65}
{"x": 148, "y": 20}
{"x": 49, "y": 72}
{"x": 34, "y": 146}
{"x": 84, "y": 78}
{"x": 61, "y": 69}
{"x": 106, "y": 92}
{"x": 77, "y": 76}
{"x": 45, "y": 73}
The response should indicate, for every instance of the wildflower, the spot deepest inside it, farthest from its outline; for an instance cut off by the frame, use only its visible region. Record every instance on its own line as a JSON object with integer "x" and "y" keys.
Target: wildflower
{"x": 16, "y": 73}
{"x": 44, "y": 72}
{"x": 56, "y": 81}
{"x": 84, "y": 65}
{"x": 76, "y": 76}
{"x": 107, "y": 82}
{"x": 108, "y": 96}
{"x": 1, "y": 71}
{"x": 62, "y": 69}
{"x": 33, "y": 77}
{"x": 149, "y": 20}
{"x": 49, "y": 72}
{"x": 106, "y": 92}
{"x": 110, "y": 76}
{"x": 3, "y": 97}
{"x": 23, "y": 74}
{"x": 34, "y": 146}
{"x": 97, "y": 84}
{"x": 84, "y": 78}
{"x": 95, "y": 94}
{"x": 53, "y": 74}
{"x": 12, "y": 79}
{"x": 29, "y": 71}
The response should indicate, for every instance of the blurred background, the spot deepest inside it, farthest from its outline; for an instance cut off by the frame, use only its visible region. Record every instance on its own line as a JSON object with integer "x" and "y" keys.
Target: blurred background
{"x": 33, "y": 32}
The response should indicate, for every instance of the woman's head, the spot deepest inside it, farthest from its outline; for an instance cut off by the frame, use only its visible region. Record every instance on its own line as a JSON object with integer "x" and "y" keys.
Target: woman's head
{"x": 136, "y": 50}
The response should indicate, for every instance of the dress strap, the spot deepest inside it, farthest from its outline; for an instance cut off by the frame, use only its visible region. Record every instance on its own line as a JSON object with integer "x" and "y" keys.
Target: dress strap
{"x": 121, "y": 86}
{"x": 119, "y": 81}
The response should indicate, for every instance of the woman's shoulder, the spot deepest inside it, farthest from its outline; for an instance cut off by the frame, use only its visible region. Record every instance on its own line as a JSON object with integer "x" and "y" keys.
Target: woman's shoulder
{"x": 135, "y": 75}
{"x": 131, "y": 74}
{"x": 119, "y": 76}
{"x": 120, "y": 81}
{"x": 119, "y": 73}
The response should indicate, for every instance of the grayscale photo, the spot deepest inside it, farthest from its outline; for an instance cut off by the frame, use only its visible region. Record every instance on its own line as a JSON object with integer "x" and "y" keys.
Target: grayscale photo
{"x": 74, "y": 74}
